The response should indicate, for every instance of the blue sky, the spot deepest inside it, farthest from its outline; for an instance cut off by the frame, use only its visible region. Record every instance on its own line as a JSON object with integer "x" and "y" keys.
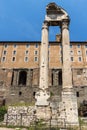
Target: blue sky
{"x": 21, "y": 20}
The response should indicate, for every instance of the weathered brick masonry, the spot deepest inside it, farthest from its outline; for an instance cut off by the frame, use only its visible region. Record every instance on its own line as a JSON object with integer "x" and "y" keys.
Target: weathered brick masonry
{"x": 11, "y": 91}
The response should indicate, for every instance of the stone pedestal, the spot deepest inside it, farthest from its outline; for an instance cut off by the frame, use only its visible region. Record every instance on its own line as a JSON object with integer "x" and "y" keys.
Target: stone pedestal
{"x": 68, "y": 108}
{"x": 43, "y": 113}
{"x": 42, "y": 97}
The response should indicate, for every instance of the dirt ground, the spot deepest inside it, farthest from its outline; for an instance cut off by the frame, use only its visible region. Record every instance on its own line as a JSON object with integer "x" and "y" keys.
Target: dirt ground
{"x": 2, "y": 128}
{"x": 7, "y": 129}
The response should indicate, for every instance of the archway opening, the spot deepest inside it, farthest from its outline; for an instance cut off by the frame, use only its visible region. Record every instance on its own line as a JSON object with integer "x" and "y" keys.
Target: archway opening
{"x": 60, "y": 77}
{"x": 22, "y": 78}
{"x": 52, "y": 78}
{"x": 12, "y": 78}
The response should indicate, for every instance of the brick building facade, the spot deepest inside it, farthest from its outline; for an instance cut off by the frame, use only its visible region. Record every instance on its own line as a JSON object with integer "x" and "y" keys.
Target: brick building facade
{"x": 19, "y": 70}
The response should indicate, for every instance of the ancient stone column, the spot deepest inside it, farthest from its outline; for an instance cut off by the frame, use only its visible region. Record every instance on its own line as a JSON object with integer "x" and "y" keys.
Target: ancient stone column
{"x": 43, "y": 95}
{"x": 44, "y": 58}
{"x": 68, "y": 106}
{"x": 67, "y": 74}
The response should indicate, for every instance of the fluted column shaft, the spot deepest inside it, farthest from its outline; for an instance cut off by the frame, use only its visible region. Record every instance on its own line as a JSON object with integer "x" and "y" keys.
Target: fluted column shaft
{"x": 44, "y": 58}
{"x": 67, "y": 74}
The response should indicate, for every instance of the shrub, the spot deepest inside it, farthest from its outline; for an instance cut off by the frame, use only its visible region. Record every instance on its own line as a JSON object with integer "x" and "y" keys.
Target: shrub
{"x": 3, "y": 110}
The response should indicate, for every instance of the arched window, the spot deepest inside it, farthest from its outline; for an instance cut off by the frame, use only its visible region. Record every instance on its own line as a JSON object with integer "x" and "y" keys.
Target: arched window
{"x": 60, "y": 77}
{"x": 22, "y": 78}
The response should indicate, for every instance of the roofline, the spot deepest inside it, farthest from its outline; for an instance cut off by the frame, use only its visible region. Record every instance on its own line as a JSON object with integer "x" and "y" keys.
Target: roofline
{"x": 40, "y": 42}
{"x": 20, "y": 41}
{"x": 78, "y": 41}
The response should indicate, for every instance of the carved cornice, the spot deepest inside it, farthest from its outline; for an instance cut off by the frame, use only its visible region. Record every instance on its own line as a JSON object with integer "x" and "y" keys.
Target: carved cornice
{"x": 53, "y": 8}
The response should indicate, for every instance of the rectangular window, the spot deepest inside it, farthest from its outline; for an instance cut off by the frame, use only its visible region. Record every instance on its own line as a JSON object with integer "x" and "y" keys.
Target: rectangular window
{"x": 80, "y": 59}
{"x": 14, "y": 52}
{"x": 13, "y": 59}
{"x": 70, "y": 46}
{"x": 26, "y": 52}
{"x": 79, "y": 52}
{"x": 77, "y": 94}
{"x": 26, "y": 59}
{"x": 5, "y": 52}
{"x": 35, "y": 59}
{"x": 27, "y": 45}
{"x": 3, "y": 59}
{"x": 36, "y": 45}
{"x": 78, "y": 45}
{"x": 15, "y": 45}
{"x": 35, "y": 52}
{"x": 71, "y": 52}
{"x": 71, "y": 58}
{"x": 85, "y": 46}
{"x": 5, "y": 45}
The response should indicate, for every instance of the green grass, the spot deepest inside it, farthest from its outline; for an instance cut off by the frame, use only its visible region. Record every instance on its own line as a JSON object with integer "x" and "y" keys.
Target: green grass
{"x": 3, "y": 111}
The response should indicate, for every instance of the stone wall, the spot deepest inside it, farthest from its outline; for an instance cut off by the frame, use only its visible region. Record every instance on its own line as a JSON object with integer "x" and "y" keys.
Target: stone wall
{"x": 20, "y": 116}
{"x": 81, "y": 92}
{"x": 5, "y": 82}
{"x": 80, "y": 84}
{"x": 12, "y": 93}
{"x": 80, "y": 77}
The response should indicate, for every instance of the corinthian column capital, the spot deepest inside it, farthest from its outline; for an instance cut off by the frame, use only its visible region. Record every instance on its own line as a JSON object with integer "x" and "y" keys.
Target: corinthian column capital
{"x": 65, "y": 24}
{"x": 45, "y": 25}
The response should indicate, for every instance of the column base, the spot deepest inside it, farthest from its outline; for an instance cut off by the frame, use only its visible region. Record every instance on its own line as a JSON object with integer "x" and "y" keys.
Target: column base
{"x": 68, "y": 107}
{"x": 43, "y": 113}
